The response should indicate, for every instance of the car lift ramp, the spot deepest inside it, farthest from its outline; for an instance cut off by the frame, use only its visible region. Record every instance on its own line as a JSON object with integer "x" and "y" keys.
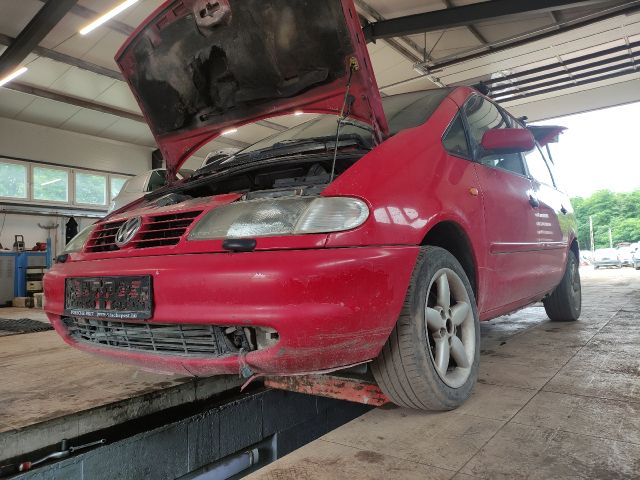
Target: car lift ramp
{"x": 340, "y": 387}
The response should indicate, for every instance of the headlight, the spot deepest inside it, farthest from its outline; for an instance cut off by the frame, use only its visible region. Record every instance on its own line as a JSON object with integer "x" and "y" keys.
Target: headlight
{"x": 282, "y": 216}
{"x": 77, "y": 243}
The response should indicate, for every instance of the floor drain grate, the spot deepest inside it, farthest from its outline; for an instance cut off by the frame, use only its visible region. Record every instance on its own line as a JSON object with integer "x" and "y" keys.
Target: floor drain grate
{"x": 10, "y": 326}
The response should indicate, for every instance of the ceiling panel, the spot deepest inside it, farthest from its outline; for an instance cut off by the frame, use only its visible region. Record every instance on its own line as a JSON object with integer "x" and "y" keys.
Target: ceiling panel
{"x": 138, "y": 13}
{"x": 103, "y": 52}
{"x": 497, "y": 30}
{"x": 82, "y": 83}
{"x": 44, "y": 72}
{"x": 16, "y": 14}
{"x": 12, "y": 103}
{"x": 89, "y": 122}
{"x": 127, "y": 130}
{"x": 47, "y": 112}
{"x": 119, "y": 95}
{"x": 400, "y": 8}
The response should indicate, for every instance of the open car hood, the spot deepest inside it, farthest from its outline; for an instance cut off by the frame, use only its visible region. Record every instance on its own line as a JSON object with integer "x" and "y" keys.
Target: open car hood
{"x": 199, "y": 67}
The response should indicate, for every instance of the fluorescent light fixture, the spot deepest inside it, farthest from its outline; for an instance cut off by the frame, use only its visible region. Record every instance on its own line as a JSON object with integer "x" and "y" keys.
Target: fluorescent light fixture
{"x": 297, "y": 113}
{"x": 107, "y": 16}
{"x": 12, "y": 75}
{"x": 51, "y": 182}
{"x": 229, "y": 131}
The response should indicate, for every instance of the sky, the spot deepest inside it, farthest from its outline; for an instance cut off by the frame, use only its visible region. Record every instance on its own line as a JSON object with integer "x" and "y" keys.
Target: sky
{"x": 600, "y": 150}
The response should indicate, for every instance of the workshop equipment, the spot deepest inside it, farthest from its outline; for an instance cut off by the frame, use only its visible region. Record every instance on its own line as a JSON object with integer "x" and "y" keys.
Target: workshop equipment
{"x": 29, "y": 267}
{"x": 7, "y": 276}
{"x": 18, "y": 243}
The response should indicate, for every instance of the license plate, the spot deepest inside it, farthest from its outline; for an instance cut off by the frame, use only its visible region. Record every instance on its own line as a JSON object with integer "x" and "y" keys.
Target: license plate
{"x": 109, "y": 297}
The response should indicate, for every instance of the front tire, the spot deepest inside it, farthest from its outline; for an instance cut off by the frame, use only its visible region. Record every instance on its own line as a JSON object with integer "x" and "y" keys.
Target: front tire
{"x": 430, "y": 361}
{"x": 564, "y": 304}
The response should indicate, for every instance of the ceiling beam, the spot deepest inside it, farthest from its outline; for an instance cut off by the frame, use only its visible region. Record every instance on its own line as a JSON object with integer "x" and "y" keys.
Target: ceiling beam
{"x": 113, "y": 24}
{"x": 97, "y": 107}
{"x": 395, "y": 44}
{"x": 464, "y": 16}
{"x": 40, "y": 25}
{"x": 6, "y": 40}
{"x": 550, "y": 31}
{"x": 472, "y": 29}
{"x": 377, "y": 16}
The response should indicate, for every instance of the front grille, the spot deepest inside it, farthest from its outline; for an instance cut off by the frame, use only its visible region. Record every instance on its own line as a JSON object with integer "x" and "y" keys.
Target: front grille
{"x": 157, "y": 231}
{"x": 171, "y": 339}
{"x": 103, "y": 239}
{"x": 163, "y": 230}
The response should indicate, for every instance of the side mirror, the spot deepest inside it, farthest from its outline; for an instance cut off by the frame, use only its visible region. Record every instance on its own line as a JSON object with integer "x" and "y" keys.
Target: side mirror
{"x": 507, "y": 140}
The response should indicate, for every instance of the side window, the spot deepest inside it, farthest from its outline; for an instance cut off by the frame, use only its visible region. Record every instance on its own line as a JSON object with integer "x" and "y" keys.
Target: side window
{"x": 538, "y": 166}
{"x": 455, "y": 139}
{"x": 483, "y": 115}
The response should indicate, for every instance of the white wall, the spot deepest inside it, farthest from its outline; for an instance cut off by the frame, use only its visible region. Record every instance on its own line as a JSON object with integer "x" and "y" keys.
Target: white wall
{"x": 35, "y": 142}
{"x": 38, "y": 143}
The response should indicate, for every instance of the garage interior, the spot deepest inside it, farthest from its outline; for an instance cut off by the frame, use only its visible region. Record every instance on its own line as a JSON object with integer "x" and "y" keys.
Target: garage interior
{"x": 557, "y": 400}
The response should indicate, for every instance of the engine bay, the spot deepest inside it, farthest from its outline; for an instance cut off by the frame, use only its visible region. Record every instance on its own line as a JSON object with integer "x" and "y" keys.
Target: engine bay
{"x": 306, "y": 175}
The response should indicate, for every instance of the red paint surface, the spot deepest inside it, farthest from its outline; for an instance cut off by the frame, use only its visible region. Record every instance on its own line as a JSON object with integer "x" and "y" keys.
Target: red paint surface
{"x": 335, "y": 298}
{"x": 327, "y": 98}
{"x": 331, "y": 307}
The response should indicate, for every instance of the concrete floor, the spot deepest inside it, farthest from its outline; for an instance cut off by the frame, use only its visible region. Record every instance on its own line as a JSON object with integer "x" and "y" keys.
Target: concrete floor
{"x": 51, "y": 391}
{"x": 554, "y": 401}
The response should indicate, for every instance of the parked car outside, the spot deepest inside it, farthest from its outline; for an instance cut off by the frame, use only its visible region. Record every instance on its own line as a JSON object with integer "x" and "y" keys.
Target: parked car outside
{"x": 636, "y": 255}
{"x": 606, "y": 257}
{"x": 382, "y": 231}
{"x": 626, "y": 256}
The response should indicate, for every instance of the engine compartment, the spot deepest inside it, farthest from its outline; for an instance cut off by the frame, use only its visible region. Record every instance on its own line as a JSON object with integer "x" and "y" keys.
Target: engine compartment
{"x": 305, "y": 175}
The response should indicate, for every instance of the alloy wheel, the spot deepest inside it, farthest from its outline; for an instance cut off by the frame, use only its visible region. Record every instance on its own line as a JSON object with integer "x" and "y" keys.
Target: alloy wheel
{"x": 450, "y": 325}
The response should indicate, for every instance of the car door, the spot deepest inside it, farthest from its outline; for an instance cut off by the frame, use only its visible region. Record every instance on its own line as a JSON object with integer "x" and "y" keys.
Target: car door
{"x": 509, "y": 215}
{"x": 553, "y": 217}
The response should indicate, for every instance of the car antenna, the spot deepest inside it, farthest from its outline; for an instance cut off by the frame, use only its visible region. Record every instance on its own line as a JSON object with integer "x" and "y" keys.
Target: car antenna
{"x": 344, "y": 113}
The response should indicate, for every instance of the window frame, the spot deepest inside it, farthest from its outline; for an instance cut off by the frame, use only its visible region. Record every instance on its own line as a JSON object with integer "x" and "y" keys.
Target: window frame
{"x": 475, "y": 148}
{"x": 546, "y": 164}
{"x": 107, "y": 192}
{"x": 459, "y": 115}
{"x": 27, "y": 165}
{"x": 70, "y": 185}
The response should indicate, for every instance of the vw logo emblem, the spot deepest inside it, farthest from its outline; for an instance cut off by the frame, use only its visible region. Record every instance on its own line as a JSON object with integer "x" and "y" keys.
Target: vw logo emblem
{"x": 127, "y": 231}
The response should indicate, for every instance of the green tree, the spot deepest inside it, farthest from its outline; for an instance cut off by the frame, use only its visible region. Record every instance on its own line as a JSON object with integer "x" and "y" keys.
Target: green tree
{"x": 618, "y": 211}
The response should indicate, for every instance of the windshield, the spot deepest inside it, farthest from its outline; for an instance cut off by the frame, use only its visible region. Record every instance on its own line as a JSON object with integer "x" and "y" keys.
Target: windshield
{"x": 403, "y": 111}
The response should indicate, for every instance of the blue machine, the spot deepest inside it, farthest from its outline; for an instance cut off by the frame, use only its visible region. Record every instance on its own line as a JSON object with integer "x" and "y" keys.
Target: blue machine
{"x": 23, "y": 261}
{"x": 13, "y": 272}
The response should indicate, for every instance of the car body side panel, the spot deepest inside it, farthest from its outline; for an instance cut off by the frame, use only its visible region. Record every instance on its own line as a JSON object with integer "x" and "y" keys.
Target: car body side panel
{"x": 511, "y": 235}
{"x": 412, "y": 184}
{"x": 554, "y": 229}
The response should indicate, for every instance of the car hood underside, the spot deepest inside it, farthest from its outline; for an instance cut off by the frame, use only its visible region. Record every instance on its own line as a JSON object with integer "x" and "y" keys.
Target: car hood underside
{"x": 198, "y": 67}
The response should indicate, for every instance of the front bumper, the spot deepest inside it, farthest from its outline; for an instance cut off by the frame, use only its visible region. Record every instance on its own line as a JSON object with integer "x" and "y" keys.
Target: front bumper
{"x": 330, "y": 307}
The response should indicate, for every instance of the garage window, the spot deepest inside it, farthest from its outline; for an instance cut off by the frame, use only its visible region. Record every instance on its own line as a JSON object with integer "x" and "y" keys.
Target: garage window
{"x": 50, "y": 184}
{"x": 116, "y": 184}
{"x": 91, "y": 188}
{"x": 13, "y": 179}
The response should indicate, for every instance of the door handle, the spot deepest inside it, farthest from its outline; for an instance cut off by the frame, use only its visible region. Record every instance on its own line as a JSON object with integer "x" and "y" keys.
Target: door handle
{"x": 533, "y": 201}
{"x": 563, "y": 210}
